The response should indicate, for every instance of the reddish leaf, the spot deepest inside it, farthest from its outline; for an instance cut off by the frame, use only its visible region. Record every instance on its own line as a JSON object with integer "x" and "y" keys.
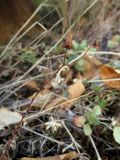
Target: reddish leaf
{"x": 68, "y": 41}
{"x": 79, "y": 121}
{"x": 107, "y": 72}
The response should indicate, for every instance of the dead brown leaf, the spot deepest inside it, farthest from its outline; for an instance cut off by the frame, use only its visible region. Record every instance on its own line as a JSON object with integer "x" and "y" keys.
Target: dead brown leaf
{"x": 55, "y": 102}
{"x": 68, "y": 76}
{"x": 79, "y": 121}
{"x": 107, "y": 72}
{"x": 39, "y": 98}
{"x": 8, "y": 117}
{"x": 32, "y": 84}
{"x": 75, "y": 91}
{"x": 90, "y": 66}
{"x": 67, "y": 156}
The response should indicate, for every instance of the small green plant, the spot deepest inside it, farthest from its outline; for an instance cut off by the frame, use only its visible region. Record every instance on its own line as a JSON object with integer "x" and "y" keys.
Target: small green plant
{"x": 78, "y": 47}
{"x": 96, "y": 88}
{"x": 113, "y": 44}
{"x": 87, "y": 129}
{"x": 101, "y": 102}
{"x": 81, "y": 46}
{"x": 28, "y": 56}
{"x": 92, "y": 116}
{"x": 92, "y": 119}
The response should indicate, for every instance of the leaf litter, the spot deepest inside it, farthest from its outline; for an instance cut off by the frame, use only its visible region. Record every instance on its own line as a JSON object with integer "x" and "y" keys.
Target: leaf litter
{"x": 67, "y": 97}
{"x": 65, "y": 91}
{"x": 8, "y": 117}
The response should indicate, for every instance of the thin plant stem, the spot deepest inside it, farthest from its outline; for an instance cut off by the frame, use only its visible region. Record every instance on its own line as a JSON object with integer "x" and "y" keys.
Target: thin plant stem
{"x": 43, "y": 136}
{"x": 95, "y": 148}
{"x": 72, "y": 138}
{"x": 62, "y": 37}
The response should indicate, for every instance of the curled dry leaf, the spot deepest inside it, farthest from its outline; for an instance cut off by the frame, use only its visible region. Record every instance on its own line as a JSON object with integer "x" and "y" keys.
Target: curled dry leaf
{"x": 8, "y": 117}
{"x": 90, "y": 66}
{"x": 79, "y": 121}
{"x": 39, "y": 98}
{"x": 67, "y": 156}
{"x": 107, "y": 72}
{"x": 75, "y": 91}
{"x": 68, "y": 76}
{"x": 32, "y": 84}
{"x": 55, "y": 102}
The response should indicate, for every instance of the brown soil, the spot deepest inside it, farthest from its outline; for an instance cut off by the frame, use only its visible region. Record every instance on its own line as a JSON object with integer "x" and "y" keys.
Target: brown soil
{"x": 13, "y": 14}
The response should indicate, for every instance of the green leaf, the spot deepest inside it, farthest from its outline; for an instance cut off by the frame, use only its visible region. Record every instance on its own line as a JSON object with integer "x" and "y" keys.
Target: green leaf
{"x": 75, "y": 45}
{"x": 116, "y": 134}
{"x": 92, "y": 118}
{"x": 97, "y": 110}
{"x": 80, "y": 65}
{"x": 87, "y": 129}
{"x": 83, "y": 45}
{"x": 113, "y": 44}
{"x": 96, "y": 88}
{"x": 93, "y": 49}
{"x": 71, "y": 57}
{"x": 28, "y": 56}
{"x": 116, "y": 38}
{"x": 58, "y": 49}
{"x": 101, "y": 102}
